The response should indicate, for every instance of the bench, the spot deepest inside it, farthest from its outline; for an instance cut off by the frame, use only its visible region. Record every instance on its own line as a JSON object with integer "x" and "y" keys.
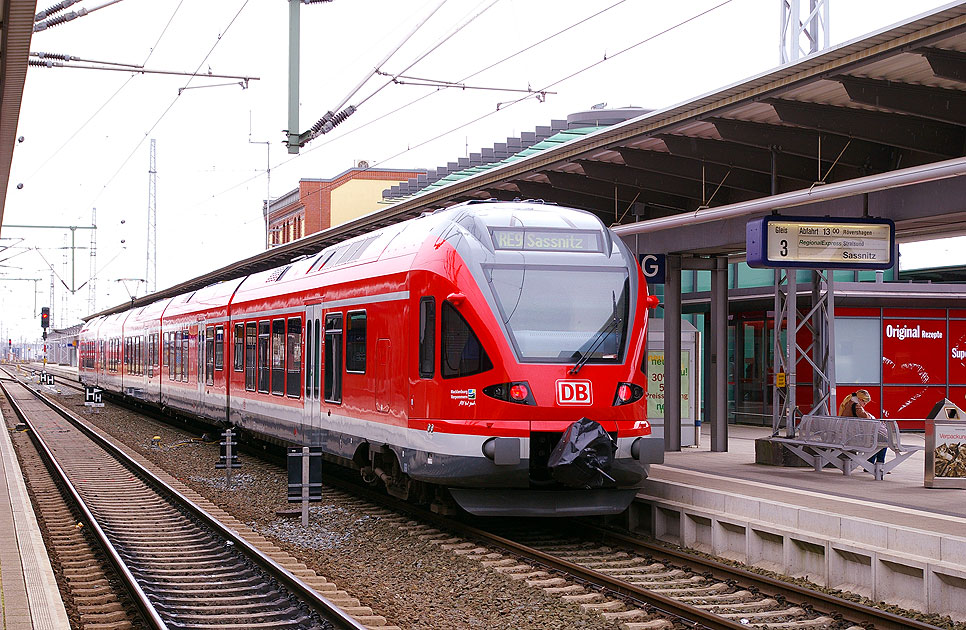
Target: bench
{"x": 848, "y": 443}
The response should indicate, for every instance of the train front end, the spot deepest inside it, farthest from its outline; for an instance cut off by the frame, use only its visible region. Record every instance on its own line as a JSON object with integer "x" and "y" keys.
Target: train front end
{"x": 548, "y": 311}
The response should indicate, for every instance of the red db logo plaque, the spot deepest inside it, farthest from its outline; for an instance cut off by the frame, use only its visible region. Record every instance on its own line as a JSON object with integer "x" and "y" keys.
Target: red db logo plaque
{"x": 574, "y": 393}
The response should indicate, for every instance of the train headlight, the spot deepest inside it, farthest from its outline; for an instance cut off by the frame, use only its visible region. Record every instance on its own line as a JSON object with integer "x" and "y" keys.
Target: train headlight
{"x": 627, "y": 393}
{"x": 517, "y": 392}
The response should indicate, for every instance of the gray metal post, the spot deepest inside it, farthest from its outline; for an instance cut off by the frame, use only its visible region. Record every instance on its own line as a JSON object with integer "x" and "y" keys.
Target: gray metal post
{"x": 672, "y": 354}
{"x": 830, "y": 340}
{"x": 719, "y": 357}
{"x": 228, "y": 458}
{"x": 294, "y": 28}
{"x": 791, "y": 323}
{"x": 305, "y": 486}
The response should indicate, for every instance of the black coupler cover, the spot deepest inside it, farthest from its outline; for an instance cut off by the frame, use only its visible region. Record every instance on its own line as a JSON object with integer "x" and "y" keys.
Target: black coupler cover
{"x": 583, "y": 455}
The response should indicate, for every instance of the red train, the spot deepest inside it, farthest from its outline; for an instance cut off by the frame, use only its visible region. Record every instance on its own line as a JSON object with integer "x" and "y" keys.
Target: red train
{"x": 456, "y": 350}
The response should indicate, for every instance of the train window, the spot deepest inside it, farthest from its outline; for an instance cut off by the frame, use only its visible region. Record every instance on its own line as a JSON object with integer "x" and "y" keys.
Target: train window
{"x": 333, "y": 357}
{"x": 427, "y": 337}
{"x": 177, "y": 355}
{"x": 219, "y": 347}
{"x": 209, "y": 355}
{"x": 309, "y": 366}
{"x": 251, "y": 341}
{"x": 238, "y": 350}
{"x": 103, "y": 356}
{"x": 264, "y": 369}
{"x": 185, "y": 355}
{"x": 168, "y": 355}
{"x": 355, "y": 343}
{"x": 318, "y": 358}
{"x": 461, "y": 353}
{"x": 278, "y": 356}
{"x": 293, "y": 353}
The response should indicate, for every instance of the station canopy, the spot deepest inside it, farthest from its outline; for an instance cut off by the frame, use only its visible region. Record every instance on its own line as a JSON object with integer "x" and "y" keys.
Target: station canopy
{"x": 875, "y": 127}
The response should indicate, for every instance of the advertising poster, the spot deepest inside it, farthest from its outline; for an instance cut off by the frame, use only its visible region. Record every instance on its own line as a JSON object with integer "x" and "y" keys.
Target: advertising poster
{"x": 655, "y": 384}
{"x": 950, "y": 452}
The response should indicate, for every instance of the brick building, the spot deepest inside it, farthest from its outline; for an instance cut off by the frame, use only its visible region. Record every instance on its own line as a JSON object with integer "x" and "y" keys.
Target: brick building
{"x": 318, "y": 204}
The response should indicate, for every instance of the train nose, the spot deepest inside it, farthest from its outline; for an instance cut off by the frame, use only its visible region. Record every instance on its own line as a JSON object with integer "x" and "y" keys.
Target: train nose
{"x": 583, "y": 456}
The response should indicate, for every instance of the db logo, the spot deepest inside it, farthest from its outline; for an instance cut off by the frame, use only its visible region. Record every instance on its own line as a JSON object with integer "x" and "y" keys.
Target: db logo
{"x": 574, "y": 393}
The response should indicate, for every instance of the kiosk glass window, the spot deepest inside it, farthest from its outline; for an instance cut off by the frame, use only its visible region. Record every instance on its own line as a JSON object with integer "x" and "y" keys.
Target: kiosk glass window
{"x": 858, "y": 350}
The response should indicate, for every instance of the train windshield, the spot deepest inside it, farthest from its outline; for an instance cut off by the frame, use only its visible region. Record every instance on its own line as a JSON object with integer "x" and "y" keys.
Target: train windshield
{"x": 563, "y": 315}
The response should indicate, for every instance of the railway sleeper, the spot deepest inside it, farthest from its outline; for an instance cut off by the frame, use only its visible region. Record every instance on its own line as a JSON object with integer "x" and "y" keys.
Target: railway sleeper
{"x": 794, "y": 611}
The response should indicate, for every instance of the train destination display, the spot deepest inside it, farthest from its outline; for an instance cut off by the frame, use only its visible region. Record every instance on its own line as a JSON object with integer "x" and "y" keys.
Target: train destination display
{"x": 546, "y": 240}
{"x": 826, "y": 243}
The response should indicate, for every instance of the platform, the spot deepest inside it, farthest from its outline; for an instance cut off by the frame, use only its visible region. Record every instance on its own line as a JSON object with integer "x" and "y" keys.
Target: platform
{"x": 29, "y": 597}
{"x": 891, "y": 540}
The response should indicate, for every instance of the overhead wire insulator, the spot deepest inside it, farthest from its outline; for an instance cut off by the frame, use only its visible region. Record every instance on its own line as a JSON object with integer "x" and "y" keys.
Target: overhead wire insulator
{"x": 43, "y": 64}
{"x": 59, "y": 19}
{"x": 47, "y": 55}
{"x": 57, "y": 8}
{"x": 321, "y": 122}
{"x": 338, "y": 119}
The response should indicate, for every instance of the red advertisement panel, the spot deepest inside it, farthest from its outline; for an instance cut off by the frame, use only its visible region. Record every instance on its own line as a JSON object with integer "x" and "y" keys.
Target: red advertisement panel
{"x": 958, "y": 396}
{"x": 957, "y": 351}
{"x": 911, "y": 403}
{"x": 913, "y": 351}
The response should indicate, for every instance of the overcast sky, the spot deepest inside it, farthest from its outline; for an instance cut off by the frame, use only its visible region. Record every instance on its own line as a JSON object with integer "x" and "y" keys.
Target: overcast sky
{"x": 87, "y": 133}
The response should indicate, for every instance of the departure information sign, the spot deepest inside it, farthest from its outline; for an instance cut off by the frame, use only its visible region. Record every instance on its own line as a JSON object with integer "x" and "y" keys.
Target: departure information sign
{"x": 820, "y": 243}
{"x": 523, "y": 239}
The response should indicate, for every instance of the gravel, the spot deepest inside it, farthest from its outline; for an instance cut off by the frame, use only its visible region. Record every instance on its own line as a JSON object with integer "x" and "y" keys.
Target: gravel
{"x": 411, "y": 582}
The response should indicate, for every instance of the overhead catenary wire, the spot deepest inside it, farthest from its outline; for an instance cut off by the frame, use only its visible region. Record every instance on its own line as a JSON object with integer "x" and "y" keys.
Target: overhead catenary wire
{"x": 561, "y": 80}
{"x": 348, "y": 133}
{"x": 110, "y": 98}
{"x": 337, "y": 115}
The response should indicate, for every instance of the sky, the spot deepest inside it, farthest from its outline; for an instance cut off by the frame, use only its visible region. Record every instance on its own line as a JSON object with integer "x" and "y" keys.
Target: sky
{"x": 86, "y": 133}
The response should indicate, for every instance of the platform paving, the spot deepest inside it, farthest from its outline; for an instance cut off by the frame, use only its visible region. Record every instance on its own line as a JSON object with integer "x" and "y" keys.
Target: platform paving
{"x": 29, "y": 596}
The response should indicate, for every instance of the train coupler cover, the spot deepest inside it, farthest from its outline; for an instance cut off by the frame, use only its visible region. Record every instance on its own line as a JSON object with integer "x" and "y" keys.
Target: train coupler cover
{"x": 583, "y": 456}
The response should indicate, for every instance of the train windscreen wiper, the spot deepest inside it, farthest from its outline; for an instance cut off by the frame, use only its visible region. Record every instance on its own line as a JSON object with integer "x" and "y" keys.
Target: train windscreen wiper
{"x": 611, "y": 327}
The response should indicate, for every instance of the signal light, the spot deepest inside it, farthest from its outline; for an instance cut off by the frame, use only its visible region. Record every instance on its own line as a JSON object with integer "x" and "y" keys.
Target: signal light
{"x": 45, "y": 317}
{"x": 517, "y": 392}
{"x": 627, "y": 393}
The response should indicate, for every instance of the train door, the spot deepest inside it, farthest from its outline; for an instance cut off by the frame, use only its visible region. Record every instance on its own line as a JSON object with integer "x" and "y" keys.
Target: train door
{"x": 312, "y": 414}
{"x": 424, "y": 387}
{"x": 383, "y": 389}
{"x": 206, "y": 369}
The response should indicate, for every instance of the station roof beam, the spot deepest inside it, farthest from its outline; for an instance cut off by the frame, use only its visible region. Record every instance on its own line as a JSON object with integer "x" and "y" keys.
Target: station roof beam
{"x": 864, "y": 157}
{"x": 933, "y": 103}
{"x": 671, "y": 183}
{"x": 801, "y": 171}
{"x": 688, "y": 168}
{"x": 907, "y": 132}
{"x": 946, "y": 64}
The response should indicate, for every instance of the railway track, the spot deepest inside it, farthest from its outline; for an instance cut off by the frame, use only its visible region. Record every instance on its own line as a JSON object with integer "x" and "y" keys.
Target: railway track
{"x": 183, "y": 568}
{"x": 634, "y": 583}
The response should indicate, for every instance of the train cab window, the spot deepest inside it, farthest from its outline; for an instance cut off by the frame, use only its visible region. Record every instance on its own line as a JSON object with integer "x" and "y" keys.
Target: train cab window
{"x": 427, "y": 337}
{"x": 251, "y": 342}
{"x": 293, "y": 354}
{"x": 333, "y": 358}
{"x": 278, "y": 356}
{"x": 219, "y": 347}
{"x": 355, "y": 343}
{"x": 238, "y": 349}
{"x": 461, "y": 353}
{"x": 264, "y": 369}
{"x": 209, "y": 355}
